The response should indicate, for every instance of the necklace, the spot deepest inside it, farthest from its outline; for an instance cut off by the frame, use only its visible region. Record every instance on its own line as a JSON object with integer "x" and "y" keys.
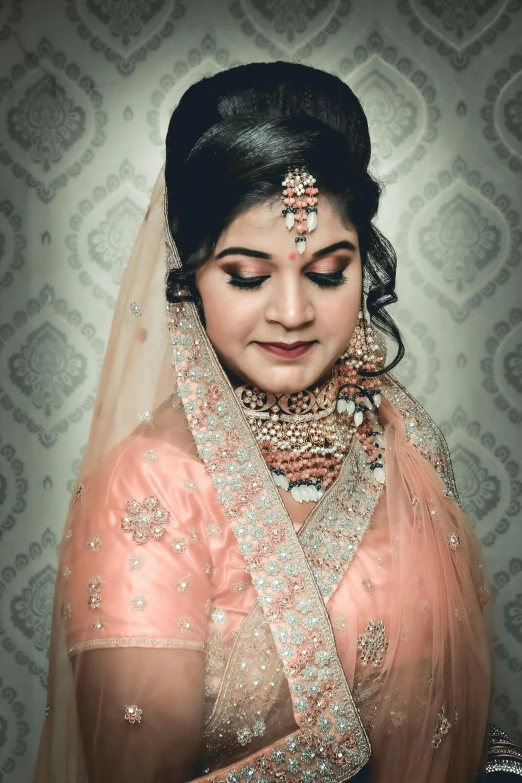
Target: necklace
{"x": 305, "y": 436}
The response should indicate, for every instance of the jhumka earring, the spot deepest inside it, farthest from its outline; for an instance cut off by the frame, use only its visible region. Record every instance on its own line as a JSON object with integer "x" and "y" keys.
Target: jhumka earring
{"x": 360, "y": 396}
{"x": 299, "y": 196}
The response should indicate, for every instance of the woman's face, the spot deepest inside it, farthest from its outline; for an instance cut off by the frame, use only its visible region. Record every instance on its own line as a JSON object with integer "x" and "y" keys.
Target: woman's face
{"x": 261, "y": 297}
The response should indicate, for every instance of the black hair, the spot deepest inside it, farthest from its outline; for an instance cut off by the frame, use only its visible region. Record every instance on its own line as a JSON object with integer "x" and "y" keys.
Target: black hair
{"x": 234, "y": 135}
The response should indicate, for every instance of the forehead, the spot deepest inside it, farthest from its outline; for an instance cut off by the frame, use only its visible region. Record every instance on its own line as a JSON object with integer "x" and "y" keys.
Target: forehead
{"x": 264, "y": 224}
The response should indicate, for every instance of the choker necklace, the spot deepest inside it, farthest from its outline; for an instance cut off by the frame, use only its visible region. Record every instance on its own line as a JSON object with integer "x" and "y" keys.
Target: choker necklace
{"x": 305, "y": 436}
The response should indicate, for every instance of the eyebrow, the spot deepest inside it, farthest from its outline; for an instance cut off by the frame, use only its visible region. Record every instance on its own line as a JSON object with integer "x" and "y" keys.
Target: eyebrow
{"x": 345, "y": 244}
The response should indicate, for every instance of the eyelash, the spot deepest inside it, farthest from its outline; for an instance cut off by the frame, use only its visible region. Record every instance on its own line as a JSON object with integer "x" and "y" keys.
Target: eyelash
{"x": 323, "y": 280}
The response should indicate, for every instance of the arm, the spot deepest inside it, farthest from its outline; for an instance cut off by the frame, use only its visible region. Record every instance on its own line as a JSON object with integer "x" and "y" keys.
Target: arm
{"x": 135, "y": 590}
{"x": 167, "y": 685}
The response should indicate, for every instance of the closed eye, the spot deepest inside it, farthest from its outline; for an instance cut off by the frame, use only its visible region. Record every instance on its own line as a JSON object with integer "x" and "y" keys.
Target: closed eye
{"x": 322, "y": 279}
{"x": 239, "y": 281}
{"x": 327, "y": 279}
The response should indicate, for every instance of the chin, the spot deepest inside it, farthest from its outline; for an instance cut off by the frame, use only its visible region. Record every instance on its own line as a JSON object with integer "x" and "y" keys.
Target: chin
{"x": 287, "y": 380}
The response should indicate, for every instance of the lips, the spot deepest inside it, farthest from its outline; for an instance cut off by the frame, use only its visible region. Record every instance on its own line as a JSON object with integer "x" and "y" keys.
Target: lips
{"x": 287, "y": 350}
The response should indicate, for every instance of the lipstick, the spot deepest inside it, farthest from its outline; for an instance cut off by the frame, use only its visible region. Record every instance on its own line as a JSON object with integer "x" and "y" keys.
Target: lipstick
{"x": 287, "y": 350}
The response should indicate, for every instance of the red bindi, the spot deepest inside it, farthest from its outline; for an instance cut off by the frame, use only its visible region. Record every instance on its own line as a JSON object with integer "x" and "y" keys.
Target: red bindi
{"x": 292, "y": 256}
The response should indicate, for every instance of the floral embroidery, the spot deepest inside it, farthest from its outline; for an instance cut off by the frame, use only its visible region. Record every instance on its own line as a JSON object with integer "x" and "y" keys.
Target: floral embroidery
{"x": 150, "y": 456}
{"x": 453, "y": 541}
{"x": 182, "y": 583}
{"x": 139, "y": 603}
{"x": 218, "y": 616}
{"x": 373, "y": 644}
{"x": 367, "y": 585}
{"x": 484, "y": 596}
{"x": 193, "y": 533}
{"x": 238, "y": 587}
{"x": 135, "y": 309}
{"x": 340, "y": 623}
{"x": 67, "y": 612}
{"x": 146, "y": 415}
{"x": 414, "y": 500}
{"x": 208, "y": 569}
{"x": 95, "y": 583}
{"x": 179, "y": 545}
{"x": 397, "y": 718}
{"x": 185, "y": 624}
{"x": 94, "y": 543}
{"x": 443, "y": 726}
{"x": 95, "y": 600}
{"x": 79, "y": 491}
{"x": 68, "y": 535}
{"x": 133, "y": 714}
{"x": 214, "y": 530}
{"x": 98, "y": 624}
{"x": 190, "y": 485}
{"x": 145, "y": 519}
{"x": 66, "y": 574}
{"x": 135, "y": 563}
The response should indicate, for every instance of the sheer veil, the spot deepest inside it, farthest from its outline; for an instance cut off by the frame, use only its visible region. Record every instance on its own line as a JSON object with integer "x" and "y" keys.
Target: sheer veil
{"x": 127, "y": 693}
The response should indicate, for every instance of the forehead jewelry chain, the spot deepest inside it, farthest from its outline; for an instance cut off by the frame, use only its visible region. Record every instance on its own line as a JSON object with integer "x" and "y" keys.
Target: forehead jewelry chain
{"x": 300, "y": 199}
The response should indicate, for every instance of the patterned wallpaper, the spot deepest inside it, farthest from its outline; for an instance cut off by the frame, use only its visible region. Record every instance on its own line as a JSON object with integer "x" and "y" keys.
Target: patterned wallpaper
{"x": 86, "y": 90}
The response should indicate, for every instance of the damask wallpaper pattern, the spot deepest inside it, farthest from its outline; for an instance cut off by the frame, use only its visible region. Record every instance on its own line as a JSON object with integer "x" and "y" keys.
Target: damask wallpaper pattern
{"x": 86, "y": 91}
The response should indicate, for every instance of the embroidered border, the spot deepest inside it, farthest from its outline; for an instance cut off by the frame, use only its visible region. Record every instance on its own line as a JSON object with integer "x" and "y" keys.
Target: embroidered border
{"x": 135, "y": 641}
{"x": 328, "y": 718}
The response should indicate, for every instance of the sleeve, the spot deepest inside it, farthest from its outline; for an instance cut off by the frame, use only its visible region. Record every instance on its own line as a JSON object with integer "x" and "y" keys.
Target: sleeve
{"x": 136, "y": 593}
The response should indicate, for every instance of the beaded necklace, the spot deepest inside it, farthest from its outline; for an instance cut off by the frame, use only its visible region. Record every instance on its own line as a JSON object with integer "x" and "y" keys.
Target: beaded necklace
{"x": 305, "y": 436}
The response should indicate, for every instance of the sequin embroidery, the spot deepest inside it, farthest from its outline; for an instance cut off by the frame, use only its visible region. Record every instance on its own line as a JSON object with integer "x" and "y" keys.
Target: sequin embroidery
{"x": 373, "y": 644}
{"x": 98, "y": 624}
{"x": 484, "y": 596}
{"x": 214, "y": 530}
{"x": 66, "y": 574}
{"x": 94, "y": 543}
{"x": 340, "y": 623}
{"x": 183, "y": 583}
{"x": 453, "y": 541}
{"x": 139, "y": 603}
{"x": 135, "y": 563}
{"x": 443, "y": 726}
{"x": 179, "y": 545}
{"x": 185, "y": 624}
{"x": 67, "y": 612}
{"x": 145, "y": 519}
{"x": 133, "y": 714}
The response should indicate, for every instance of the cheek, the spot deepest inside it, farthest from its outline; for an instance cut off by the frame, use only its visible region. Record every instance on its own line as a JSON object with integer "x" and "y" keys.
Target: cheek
{"x": 339, "y": 313}
{"x": 221, "y": 327}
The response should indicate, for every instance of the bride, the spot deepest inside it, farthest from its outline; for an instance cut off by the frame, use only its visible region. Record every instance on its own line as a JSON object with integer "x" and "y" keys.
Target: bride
{"x": 265, "y": 573}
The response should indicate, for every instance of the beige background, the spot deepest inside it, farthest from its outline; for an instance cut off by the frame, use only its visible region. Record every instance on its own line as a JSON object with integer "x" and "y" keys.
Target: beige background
{"x": 86, "y": 90}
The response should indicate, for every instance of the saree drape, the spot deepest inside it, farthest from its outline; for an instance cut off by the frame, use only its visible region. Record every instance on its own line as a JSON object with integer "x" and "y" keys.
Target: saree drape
{"x": 197, "y": 635}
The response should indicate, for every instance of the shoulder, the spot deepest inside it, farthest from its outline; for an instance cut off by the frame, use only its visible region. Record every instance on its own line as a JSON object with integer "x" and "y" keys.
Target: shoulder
{"x": 139, "y": 476}
{"x": 422, "y": 431}
{"x": 144, "y": 466}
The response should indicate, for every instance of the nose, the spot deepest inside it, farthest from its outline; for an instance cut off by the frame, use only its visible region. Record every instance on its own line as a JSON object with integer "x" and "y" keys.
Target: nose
{"x": 290, "y": 304}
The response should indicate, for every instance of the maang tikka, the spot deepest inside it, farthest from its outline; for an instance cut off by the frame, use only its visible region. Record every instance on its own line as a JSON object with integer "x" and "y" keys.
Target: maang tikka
{"x": 299, "y": 196}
